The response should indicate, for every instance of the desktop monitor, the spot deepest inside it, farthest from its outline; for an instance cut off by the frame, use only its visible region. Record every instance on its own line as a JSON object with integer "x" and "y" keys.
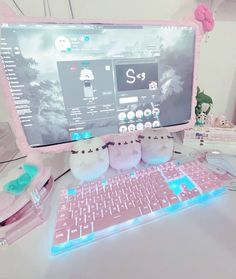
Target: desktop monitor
{"x": 69, "y": 81}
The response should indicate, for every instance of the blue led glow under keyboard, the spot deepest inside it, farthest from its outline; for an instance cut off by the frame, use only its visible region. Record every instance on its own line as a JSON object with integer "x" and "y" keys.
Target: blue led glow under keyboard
{"x": 104, "y": 207}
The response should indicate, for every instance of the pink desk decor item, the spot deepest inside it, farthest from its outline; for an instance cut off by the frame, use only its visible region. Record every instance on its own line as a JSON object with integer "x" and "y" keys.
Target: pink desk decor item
{"x": 124, "y": 151}
{"x": 20, "y": 212}
{"x": 157, "y": 146}
{"x": 89, "y": 159}
{"x": 205, "y": 16}
{"x": 222, "y": 122}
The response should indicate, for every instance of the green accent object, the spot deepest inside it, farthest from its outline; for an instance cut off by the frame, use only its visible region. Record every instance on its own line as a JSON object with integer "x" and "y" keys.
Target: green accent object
{"x": 202, "y": 98}
{"x": 19, "y": 185}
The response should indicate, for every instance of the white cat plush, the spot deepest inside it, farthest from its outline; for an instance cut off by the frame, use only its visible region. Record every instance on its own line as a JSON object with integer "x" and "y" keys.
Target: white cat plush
{"x": 157, "y": 145}
{"x": 124, "y": 151}
{"x": 89, "y": 159}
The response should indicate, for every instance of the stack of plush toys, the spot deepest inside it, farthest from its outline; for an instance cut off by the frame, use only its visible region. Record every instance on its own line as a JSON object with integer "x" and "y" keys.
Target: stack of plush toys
{"x": 91, "y": 158}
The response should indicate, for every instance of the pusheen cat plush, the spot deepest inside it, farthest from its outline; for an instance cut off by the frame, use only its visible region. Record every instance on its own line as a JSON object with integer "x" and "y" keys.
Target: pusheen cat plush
{"x": 89, "y": 159}
{"x": 157, "y": 145}
{"x": 124, "y": 151}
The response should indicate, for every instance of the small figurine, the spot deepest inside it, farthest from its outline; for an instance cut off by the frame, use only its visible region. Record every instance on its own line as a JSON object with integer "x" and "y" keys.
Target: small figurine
{"x": 222, "y": 122}
{"x": 157, "y": 145}
{"x": 124, "y": 151}
{"x": 203, "y": 107}
{"x": 89, "y": 159}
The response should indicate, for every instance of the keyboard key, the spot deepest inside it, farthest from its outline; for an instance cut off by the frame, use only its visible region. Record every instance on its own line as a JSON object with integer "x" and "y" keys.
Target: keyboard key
{"x": 173, "y": 199}
{"x": 116, "y": 219}
{"x": 60, "y": 236}
{"x": 163, "y": 202}
{"x": 74, "y": 233}
{"x": 145, "y": 209}
{"x": 193, "y": 193}
{"x": 155, "y": 205}
{"x": 183, "y": 196}
{"x": 86, "y": 229}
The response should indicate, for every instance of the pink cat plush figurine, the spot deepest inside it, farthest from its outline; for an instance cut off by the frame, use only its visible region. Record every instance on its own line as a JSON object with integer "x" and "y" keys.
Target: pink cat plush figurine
{"x": 124, "y": 151}
{"x": 157, "y": 145}
{"x": 89, "y": 159}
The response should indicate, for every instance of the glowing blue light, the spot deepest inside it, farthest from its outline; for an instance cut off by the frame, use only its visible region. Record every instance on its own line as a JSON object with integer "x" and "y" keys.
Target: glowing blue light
{"x": 201, "y": 199}
{"x": 218, "y": 191}
{"x": 175, "y": 187}
{"x": 86, "y": 135}
{"x": 174, "y": 207}
{"x": 110, "y": 229}
{"x": 132, "y": 221}
{"x": 85, "y": 62}
{"x": 133, "y": 174}
{"x": 66, "y": 246}
{"x": 63, "y": 247}
{"x": 86, "y": 38}
{"x": 176, "y": 184}
{"x": 104, "y": 182}
{"x": 71, "y": 191}
{"x": 75, "y": 136}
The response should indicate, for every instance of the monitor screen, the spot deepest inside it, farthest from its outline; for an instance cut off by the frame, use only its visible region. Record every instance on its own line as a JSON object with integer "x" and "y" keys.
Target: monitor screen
{"x": 73, "y": 81}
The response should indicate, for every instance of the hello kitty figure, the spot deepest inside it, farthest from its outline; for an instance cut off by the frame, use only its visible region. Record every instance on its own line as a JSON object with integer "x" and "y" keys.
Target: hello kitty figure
{"x": 89, "y": 159}
{"x": 157, "y": 145}
{"x": 124, "y": 151}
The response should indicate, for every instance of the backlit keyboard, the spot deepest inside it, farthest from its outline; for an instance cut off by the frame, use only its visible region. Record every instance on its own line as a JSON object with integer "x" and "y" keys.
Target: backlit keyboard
{"x": 103, "y": 207}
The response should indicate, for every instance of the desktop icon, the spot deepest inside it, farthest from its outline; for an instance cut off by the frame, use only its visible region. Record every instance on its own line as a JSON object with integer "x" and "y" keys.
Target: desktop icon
{"x": 123, "y": 129}
{"x": 147, "y": 113}
{"x": 63, "y": 44}
{"x": 139, "y": 114}
{"x": 131, "y": 115}
{"x": 139, "y": 126}
{"x": 122, "y": 116}
{"x": 131, "y": 128}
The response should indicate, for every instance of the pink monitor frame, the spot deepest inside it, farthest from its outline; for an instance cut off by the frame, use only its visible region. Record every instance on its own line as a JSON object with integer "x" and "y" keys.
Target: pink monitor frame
{"x": 15, "y": 121}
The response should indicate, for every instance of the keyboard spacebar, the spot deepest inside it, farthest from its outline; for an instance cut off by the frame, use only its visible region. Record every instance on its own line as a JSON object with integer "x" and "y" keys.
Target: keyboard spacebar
{"x": 112, "y": 220}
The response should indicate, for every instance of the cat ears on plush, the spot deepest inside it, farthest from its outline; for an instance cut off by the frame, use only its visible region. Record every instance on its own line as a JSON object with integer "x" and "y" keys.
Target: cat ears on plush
{"x": 96, "y": 149}
{"x": 112, "y": 143}
{"x": 149, "y": 137}
{"x": 125, "y": 143}
{"x": 106, "y": 146}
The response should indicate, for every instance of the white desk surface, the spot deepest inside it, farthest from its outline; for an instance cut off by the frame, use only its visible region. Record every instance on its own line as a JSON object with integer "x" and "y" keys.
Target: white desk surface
{"x": 199, "y": 242}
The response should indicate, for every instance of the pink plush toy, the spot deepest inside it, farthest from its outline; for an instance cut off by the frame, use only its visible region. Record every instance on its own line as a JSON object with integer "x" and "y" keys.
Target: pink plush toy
{"x": 124, "y": 151}
{"x": 205, "y": 16}
{"x": 157, "y": 145}
{"x": 89, "y": 159}
{"x": 222, "y": 122}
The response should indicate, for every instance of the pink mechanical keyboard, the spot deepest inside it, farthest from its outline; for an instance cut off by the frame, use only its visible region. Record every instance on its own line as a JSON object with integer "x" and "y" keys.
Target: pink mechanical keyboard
{"x": 103, "y": 207}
